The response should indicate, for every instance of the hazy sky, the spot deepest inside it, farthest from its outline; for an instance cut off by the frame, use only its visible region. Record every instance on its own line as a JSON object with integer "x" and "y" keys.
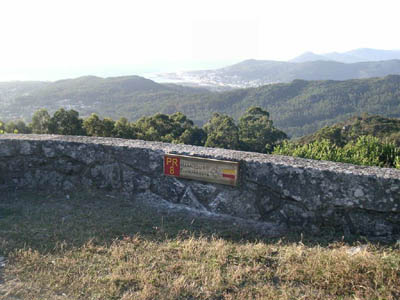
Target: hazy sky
{"x": 52, "y": 39}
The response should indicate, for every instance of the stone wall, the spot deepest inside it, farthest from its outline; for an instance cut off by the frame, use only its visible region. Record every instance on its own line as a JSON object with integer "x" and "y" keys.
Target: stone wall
{"x": 298, "y": 194}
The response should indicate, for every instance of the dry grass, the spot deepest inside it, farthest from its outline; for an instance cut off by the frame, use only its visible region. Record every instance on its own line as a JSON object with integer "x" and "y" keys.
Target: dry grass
{"x": 102, "y": 247}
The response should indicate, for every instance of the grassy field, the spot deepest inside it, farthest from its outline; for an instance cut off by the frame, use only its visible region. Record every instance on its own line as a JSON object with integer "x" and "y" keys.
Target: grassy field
{"x": 102, "y": 246}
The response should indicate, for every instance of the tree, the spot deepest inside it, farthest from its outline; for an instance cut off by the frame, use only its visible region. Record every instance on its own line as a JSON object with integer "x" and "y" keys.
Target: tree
{"x": 193, "y": 136}
{"x": 93, "y": 125}
{"x": 123, "y": 129}
{"x": 22, "y": 127}
{"x": 66, "y": 122}
{"x": 2, "y": 129}
{"x": 40, "y": 121}
{"x": 154, "y": 128}
{"x": 10, "y": 127}
{"x": 256, "y": 131}
{"x": 162, "y": 127}
{"x": 17, "y": 127}
{"x": 108, "y": 127}
{"x": 222, "y": 132}
{"x": 182, "y": 119}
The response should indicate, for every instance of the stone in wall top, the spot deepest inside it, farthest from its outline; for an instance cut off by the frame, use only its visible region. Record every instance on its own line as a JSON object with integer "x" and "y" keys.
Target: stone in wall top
{"x": 249, "y": 157}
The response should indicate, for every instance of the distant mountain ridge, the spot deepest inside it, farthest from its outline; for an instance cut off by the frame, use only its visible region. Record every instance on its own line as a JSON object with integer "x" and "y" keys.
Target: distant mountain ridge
{"x": 354, "y": 64}
{"x": 253, "y": 73}
{"x": 352, "y": 56}
{"x": 309, "y": 56}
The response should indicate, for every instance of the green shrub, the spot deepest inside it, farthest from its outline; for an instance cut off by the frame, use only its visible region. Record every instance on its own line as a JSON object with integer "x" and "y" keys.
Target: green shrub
{"x": 320, "y": 150}
{"x": 397, "y": 162}
{"x": 366, "y": 150}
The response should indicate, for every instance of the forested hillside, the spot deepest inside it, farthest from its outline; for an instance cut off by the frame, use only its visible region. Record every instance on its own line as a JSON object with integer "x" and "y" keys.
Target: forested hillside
{"x": 130, "y": 96}
{"x": 302, "y": 107}
{"x": 385, "y": 129}
{"x": 298, "y": 108}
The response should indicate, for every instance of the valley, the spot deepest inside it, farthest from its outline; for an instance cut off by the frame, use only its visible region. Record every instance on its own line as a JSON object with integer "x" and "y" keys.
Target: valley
{"x": 298, "y": 108}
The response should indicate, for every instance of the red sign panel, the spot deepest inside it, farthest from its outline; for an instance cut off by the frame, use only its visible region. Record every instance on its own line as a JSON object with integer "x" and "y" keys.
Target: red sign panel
{"x": 172, "y": 165}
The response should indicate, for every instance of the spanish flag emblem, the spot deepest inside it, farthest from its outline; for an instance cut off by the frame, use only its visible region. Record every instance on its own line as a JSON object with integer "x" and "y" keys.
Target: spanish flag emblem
{"x": 228, "y": 173}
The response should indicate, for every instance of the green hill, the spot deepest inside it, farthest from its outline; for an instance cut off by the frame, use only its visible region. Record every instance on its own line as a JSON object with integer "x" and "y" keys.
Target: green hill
{"x": 385, "y": 129}
{"x": 129, "y": 96}
{"x": 302, "y": 107}
{"x": 298, "y": 108}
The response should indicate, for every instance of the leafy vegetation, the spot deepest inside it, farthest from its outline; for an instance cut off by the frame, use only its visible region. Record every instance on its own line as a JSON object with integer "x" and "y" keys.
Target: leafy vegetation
{"x": 298, "y": 108}
{"x": 167, "y": 128}
{"x": 365, "y": 150}
{"x": 66, "y": 122}
{"x": 256, "y": 131}
{"x": 94, "y": 126}
{"x": 40, "y": 121}
{"x": 96, "y": 245}
{"x": 221, "y": 131}
{"x": 363, "y": 140}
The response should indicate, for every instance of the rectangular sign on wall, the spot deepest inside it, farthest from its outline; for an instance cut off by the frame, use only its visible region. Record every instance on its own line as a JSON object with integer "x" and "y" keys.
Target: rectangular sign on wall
{"x": 204, "y": 169}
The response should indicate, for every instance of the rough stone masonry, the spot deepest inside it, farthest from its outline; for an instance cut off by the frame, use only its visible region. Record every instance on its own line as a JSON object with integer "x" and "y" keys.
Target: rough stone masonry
{"x": 293, "y": 193}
